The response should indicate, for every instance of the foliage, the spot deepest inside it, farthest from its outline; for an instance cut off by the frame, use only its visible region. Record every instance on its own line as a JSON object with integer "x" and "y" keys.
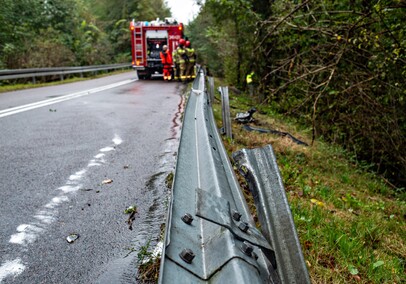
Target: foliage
{"x": 337, "y": 66}
{"x": 69, "y": 32}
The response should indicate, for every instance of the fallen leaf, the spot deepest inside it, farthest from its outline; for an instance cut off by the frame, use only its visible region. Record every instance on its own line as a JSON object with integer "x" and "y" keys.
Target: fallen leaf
{"x": 378, "y": 263}
{"x": 106, "y": 181}
{"x": 130, "y": 210}
{"x": 353, "y": 270}
{"x": 357, "y": 278}
{"x": 317, "y": 202}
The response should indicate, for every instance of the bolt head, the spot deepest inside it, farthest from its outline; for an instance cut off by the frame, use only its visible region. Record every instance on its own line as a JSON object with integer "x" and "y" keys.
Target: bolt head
{"x": 247, "y": 249}
{"x": 187, "y": 218}
{"x": 236, "y": 216}
{"x": 187, "y": 255}
{"x": 243, "y": 226}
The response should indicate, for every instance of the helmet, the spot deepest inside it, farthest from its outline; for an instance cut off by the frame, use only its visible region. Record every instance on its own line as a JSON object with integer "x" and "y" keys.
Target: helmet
{"x": 187, "y": 43}
{"x": 181, "y": 41}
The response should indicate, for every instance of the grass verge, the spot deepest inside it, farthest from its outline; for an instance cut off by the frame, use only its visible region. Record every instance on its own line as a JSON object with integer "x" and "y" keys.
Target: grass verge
{"x": 350, "y": 223}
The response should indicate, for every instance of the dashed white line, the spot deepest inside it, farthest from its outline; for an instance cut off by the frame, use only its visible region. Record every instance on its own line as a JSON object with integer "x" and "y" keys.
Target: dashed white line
{"x": 11, "y": 268}
{"x": 28, "y": 233}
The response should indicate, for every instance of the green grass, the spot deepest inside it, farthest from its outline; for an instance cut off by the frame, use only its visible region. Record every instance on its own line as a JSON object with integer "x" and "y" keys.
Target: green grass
{"x": 350, "y": 223}
{"x": 9, "y": 87}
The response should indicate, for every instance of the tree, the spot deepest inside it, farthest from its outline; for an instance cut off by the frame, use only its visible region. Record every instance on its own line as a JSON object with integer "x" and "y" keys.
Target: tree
{"x": 338, "y": 66}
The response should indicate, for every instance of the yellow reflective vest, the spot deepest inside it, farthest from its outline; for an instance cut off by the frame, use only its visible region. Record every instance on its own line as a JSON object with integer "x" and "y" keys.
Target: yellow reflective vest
{"x": 249, "y": 78}
{"x": 191, "y": 54}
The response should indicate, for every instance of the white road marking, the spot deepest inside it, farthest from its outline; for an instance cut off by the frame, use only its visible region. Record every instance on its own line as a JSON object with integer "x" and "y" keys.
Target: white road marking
{"x": 15, "y": 110}
{"x": 11, "y": 268}
{"x": 117, "y": 140}
{"x": 28, "y": 233}
{"x": 107, "y": 149}
{"x": 78, "y": 175}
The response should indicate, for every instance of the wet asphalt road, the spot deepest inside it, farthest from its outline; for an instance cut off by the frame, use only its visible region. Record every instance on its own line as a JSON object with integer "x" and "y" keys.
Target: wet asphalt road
{"x": 53, "y": 161}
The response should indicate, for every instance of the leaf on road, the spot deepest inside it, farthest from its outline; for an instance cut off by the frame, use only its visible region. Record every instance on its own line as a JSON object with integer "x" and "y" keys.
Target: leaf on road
{"x": 107, "y": 181}
{"x": 130, "y": 210}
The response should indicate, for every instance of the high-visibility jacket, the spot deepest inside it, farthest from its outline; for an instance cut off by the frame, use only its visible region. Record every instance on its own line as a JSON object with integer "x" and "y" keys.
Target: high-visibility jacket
{"x": 166, "y": 57}
{"x": 249, "y": 78}
{"x": 191, "y": 54}
{"x": 175, "y": 56}
{"x": 182, "y": 56}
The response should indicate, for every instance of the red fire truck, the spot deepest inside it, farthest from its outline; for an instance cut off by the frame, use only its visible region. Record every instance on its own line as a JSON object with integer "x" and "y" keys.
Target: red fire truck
{"x": 147, "y": 40}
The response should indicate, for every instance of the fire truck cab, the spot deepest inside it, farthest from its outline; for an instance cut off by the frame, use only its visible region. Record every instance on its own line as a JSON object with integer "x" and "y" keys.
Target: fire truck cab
{"x": 147, "y": 40}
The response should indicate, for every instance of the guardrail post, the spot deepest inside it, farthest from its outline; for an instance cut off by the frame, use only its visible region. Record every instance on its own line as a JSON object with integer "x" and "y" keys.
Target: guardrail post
{"x": 211, "y": 88}
{"x": 33, "y": 80}
{"x": 225, "y": 111}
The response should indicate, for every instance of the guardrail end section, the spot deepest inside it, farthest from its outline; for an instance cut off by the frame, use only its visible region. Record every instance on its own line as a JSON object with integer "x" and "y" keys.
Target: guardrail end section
{"x": 260, "y": 169}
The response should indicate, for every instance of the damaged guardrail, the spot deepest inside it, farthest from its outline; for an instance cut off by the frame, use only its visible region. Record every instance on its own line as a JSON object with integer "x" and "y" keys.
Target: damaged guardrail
{"x": 210, "y": 234}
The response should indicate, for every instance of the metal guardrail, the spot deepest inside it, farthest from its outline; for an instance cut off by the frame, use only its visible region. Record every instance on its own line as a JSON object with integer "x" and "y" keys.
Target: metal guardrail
{"x": 210, "y": 234}
{"x": 259, "y": 168}
{"x": 11, "y": 74}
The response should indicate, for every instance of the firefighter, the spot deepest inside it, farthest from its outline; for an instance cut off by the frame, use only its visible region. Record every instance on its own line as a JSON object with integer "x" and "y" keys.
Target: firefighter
{"x": 249, "y": 80}
{"x": 183, "y": 59}
{"x": 190, "y": 67}
{"x": 176, "y": 63}
{"x": 166, "y": 60}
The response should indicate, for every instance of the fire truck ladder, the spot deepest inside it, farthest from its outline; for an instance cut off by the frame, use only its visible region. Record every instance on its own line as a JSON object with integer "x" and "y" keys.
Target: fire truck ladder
{"x": 139, "y": 51}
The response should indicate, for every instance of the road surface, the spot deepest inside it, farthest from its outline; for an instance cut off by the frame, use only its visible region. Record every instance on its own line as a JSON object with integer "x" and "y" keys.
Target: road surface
{"x": 73, "y": 158}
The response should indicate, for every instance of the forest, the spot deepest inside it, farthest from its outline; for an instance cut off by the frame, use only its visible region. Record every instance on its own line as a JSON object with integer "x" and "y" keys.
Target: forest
{"x": 336, "y": 67}
{"x": 70, "y": 32}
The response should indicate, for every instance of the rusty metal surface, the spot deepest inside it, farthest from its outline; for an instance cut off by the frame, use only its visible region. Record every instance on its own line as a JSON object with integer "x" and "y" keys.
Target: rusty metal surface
{"x": 260, "y": 169}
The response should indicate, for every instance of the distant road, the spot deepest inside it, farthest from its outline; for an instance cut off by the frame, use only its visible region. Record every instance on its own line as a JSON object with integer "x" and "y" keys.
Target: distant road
{"x": 60, "y": 146}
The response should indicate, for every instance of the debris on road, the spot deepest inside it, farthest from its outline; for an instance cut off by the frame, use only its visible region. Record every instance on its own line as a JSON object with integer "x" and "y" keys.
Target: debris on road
{"x": 130, "y": 210}
{"x": 72, "y": 237}
{"x": 126, "y": 167}
{"x": 86, "y": 189}
{"x": 107, "y": 181}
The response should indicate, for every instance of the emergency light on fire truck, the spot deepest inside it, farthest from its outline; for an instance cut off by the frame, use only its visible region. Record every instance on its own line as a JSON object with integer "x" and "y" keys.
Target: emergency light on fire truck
{"x": 147, "y": 40}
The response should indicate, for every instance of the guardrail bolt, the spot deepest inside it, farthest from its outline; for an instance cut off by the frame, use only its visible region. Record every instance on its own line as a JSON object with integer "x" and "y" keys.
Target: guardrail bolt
{"x": 243, "y": 226}
{"x": 187, "y": 255}
{"x": 236, "y": 216}
{"x": 247, "y": 249}
{"x": 187, "y": 218}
